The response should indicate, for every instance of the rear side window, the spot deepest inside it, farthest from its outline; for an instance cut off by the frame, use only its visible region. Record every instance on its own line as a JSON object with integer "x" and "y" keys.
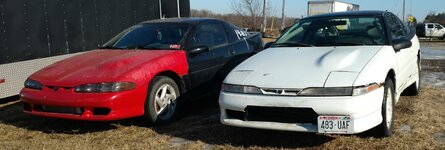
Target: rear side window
{"x": 235, "y": 33}
{"x": 209, "y": 34}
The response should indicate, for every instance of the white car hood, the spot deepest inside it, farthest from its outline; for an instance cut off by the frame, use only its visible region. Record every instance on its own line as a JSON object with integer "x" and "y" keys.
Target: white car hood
{"x": 303, "y": 67}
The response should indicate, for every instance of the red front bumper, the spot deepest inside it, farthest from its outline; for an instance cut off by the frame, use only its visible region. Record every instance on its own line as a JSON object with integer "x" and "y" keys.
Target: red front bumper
{"x": 64, "y": 103}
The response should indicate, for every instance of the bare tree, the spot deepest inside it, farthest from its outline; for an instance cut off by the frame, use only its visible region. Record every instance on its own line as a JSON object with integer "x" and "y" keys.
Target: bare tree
{"x": 249, "y": 10}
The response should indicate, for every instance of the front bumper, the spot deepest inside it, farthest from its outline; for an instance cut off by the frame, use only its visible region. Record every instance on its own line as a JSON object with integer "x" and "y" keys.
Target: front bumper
{"x": 365, "y": 110}
{"x": 67, "y": 104}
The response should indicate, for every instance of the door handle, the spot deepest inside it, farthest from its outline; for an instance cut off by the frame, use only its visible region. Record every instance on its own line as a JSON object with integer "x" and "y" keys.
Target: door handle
{"x": 232, "y": 52}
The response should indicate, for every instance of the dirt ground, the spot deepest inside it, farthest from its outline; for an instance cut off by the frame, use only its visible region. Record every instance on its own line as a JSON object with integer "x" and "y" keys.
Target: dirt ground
{"x": 419, "y": 124}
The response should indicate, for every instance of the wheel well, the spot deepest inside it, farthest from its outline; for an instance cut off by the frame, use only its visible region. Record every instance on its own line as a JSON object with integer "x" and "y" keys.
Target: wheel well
{"x": 392, "y": 76}
{"x": 175, "y": 78}
{"x": 418, "y": 56}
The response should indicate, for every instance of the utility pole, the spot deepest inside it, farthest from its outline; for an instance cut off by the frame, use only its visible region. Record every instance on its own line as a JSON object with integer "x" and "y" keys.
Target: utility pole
{"x": 283, "y": 17}
{"x": 160, "y": 10}
{"x": 179, "y": 10}
{"x": 264, "y": 16}
{"x": 403, "y": 17}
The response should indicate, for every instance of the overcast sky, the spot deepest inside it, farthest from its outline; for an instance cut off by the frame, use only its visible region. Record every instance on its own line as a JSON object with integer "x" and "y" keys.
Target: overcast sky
{"x": 298, "y": 8}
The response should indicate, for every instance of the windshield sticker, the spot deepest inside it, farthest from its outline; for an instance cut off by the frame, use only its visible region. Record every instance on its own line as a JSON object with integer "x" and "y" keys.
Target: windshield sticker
{"x": 175, "y": 46}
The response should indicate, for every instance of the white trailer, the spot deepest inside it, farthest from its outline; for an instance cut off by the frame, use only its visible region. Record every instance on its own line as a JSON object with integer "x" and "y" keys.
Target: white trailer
{"x": 13, "y": 75}
{"x": 321, "y": 7}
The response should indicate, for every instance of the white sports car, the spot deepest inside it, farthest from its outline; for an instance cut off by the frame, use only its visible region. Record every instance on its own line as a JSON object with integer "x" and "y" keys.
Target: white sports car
{"x": 338, "y": 73}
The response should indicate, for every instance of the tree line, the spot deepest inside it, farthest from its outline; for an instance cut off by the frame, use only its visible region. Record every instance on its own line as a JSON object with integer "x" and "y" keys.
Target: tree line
{"x": 435, "y": 18}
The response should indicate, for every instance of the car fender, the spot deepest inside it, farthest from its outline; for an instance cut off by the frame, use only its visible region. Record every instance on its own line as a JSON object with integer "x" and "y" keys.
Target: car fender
{"x": 173, "y": 62}
{"x": 378, "y": 67}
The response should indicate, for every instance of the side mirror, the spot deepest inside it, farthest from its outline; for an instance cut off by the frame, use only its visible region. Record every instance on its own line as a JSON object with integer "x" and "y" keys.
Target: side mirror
{"x": 198, "y": 50}
{"x": 268, "y": 45}
{"x": 401, "y": 44}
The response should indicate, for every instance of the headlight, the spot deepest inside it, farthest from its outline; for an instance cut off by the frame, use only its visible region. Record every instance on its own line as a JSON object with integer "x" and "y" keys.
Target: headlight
{"x": 334, "y": 91}
{"x": 340, "y": 91}
{"x": 105, "y": 87}
{"x": 240, "y": 89}
{"x": 33, "y": 84}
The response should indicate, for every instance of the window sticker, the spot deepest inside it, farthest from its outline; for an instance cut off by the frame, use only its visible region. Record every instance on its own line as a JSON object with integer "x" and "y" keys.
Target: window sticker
{"x": 241, "y": 34}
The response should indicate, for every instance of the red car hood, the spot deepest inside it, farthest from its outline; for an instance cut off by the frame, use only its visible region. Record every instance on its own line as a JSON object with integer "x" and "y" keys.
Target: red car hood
{"x": 104, "y": 66}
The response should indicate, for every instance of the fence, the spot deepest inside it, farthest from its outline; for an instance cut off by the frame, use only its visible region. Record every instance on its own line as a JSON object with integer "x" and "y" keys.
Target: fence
{"x": 31, "y": 29}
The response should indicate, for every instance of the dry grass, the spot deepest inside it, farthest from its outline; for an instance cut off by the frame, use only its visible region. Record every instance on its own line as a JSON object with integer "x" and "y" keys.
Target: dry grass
{"x": 419, "y": 125}
{"x": 266, "y": 40}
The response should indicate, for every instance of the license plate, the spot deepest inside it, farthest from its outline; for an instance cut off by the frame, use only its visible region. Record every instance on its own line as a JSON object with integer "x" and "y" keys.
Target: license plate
{"x": 335, "y": 124}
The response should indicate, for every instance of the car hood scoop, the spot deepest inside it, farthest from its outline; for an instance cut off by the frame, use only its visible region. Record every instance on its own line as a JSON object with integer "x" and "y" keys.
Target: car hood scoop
{"x": 300, "y": 67}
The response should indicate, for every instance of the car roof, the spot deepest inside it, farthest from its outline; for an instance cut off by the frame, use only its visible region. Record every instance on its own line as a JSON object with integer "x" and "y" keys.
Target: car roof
{"x": 186, "y": 20}
{"x": 349, "y": 13}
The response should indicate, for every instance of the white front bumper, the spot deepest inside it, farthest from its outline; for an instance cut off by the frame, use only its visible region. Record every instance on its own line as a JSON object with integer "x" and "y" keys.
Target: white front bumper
{"x": 365, "y": 109}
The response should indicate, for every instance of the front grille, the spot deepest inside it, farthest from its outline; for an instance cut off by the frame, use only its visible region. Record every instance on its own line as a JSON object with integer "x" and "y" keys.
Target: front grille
{"x": 275, "y": 114}
{"x": 57, "y": 88}
{"x": 282, "y": 92}
{"x": 60, "y": 110}
{"x": 101, "y": 111}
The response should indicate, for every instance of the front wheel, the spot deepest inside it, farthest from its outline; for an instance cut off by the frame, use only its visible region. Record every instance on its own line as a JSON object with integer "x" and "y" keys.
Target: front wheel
{"x": 386, "y": 127}
{"x": 161, "y": 102}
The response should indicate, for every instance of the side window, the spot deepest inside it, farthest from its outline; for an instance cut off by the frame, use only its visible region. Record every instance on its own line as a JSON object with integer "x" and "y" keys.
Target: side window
{"x": 439, "y": 27}
{"x": 396, "y": 27}
{"x": 231, "y": 33}
{"x": 430, "y": 26}
{"x": 208, "y": 34}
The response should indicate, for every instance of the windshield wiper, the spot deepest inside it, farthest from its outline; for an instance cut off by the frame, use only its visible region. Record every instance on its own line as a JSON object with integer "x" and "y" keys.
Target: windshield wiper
{"x": 109, "y": 47}
{"x": 143, "y": 47}
{"x": 340, "y": 44}
{"x": 292, "y": 44}
{"x": 349, "y": 44}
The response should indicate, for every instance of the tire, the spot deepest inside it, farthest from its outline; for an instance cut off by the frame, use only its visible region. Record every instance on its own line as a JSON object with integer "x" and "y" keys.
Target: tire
{"x": 162, "y": 101}
{"x": 385, "y": 129}
{"x": 442, "y": 38}
{"x": 414, "y": 89}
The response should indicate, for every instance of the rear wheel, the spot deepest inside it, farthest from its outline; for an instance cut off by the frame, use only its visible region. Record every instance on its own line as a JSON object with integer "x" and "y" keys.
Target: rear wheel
{"x": 386, "y": 127}
{"x": 161, "y": 103}
{"x": 442, "y": 38}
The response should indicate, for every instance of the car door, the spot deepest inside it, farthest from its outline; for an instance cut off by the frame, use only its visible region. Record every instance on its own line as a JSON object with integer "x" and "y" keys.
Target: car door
{"x": 429, "y": 30}
{"x": 404, "y": 57}
{"x": 241, "y": 50}
{"x": 438, "y": 30}
{"x": 205, "y": 68}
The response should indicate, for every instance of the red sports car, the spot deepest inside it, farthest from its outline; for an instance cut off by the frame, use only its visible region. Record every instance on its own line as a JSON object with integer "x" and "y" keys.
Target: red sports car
{"x": 143, "y": 71}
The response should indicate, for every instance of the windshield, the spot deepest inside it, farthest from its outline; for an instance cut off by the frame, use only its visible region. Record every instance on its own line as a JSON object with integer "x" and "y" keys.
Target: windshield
{"x": 335, "y": 31}
{"x": 150, "y": 36}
